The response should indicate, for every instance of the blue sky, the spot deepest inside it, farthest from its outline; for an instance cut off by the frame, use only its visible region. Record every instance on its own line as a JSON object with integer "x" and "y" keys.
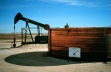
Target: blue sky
{"x": 56, "y": 13}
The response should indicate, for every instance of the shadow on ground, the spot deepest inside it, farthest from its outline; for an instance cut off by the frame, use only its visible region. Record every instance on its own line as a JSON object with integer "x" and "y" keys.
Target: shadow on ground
{"x": 36, "y": 59}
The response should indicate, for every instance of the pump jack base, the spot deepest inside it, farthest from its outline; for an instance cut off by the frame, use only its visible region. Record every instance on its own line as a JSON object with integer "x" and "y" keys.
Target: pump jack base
{"x": 14, "y": 45}
{"x": 42, "y": 42}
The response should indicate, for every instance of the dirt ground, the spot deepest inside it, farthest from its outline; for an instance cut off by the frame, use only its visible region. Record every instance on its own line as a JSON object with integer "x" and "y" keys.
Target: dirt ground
{"x": 33, "y": 58}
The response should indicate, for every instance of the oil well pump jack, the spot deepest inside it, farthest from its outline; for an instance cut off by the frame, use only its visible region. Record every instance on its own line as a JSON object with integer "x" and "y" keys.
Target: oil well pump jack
{"x": 19, "y": 16}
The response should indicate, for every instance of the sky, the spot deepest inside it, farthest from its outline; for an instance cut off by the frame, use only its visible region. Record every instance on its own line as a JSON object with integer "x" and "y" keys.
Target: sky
{"x": 56, "y": 13}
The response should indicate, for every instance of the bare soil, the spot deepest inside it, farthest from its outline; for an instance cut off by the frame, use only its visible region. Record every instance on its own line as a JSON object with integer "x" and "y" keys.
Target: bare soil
{"x": 34, "y": 58}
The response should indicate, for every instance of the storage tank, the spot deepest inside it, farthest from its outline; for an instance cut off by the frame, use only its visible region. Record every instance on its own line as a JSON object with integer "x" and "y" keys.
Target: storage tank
{"x": 109, "y": 44}
{"x": 91, "y": 43}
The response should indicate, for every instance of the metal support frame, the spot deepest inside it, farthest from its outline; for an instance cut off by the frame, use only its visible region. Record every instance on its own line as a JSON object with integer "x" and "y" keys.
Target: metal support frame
{"x": 26, "y": 31}
{"x": 30, "y": 34}
{"x": 38, "y": 29}
{"x": 27, "y": 28}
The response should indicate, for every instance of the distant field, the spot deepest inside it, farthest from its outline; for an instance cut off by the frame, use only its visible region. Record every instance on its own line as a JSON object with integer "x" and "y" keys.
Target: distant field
{"x": 9, "y": 36}
{"x": 17, "y": 36}
{"x": 6, "y": 40}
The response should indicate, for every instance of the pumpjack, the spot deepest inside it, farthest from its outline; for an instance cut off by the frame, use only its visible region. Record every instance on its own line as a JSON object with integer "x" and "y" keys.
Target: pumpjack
{"x": 19, "y": 16}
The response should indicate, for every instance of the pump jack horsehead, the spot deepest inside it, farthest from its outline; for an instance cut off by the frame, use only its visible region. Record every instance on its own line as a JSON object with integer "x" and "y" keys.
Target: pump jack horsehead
{"x": 19, "y": 16}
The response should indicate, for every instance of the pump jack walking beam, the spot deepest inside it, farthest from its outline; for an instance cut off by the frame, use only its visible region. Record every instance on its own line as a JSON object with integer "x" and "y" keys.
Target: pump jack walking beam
{"x": 20, "y": 17}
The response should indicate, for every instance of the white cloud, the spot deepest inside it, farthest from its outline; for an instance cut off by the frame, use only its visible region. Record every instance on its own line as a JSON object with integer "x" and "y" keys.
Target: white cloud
{"x": 93, "y": 3}
{"x": 60, "y": 1}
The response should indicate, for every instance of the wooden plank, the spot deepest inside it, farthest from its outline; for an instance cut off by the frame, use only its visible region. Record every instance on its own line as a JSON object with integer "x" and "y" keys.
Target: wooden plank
{"x": 88, "y": 39}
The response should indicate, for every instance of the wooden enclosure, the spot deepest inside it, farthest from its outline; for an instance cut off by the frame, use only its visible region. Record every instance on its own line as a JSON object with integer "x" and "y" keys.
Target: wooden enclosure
{"x": 92, "y": 42}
